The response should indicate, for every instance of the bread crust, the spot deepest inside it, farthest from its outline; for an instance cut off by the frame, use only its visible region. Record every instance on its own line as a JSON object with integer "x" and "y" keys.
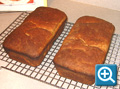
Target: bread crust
{"x": 30, "y": 42}
{"x": 85, "y": 46}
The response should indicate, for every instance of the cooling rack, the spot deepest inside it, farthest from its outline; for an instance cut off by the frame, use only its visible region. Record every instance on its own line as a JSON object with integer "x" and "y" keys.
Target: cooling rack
{"x": 46, "y": 71}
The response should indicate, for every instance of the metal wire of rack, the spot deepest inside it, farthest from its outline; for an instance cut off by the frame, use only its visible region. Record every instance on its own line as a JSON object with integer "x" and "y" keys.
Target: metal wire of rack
{"x": 46, "y": 71}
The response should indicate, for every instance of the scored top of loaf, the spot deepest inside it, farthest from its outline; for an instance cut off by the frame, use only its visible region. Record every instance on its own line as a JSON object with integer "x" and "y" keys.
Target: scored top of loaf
{"x": 35, "y": 33}
{"x": 86, "y": 45}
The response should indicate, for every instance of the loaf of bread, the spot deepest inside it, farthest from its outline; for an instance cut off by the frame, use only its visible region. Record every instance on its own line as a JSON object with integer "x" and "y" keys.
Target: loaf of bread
{"x": 85, "y": 46}
{"x": 30, "y": 42}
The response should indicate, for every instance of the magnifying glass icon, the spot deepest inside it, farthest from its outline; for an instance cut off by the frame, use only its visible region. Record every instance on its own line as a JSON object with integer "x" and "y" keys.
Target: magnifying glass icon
{"x": 105, "y": 74}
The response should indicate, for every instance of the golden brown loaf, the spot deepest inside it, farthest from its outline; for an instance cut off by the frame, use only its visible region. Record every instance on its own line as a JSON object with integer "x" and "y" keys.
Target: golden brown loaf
{"x": 30, "y": 42}
{"x": 85, "y": 46}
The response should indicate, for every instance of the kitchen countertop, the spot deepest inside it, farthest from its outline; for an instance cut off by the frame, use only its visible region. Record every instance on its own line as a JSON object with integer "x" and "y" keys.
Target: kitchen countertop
{"x": 74, "y": 10}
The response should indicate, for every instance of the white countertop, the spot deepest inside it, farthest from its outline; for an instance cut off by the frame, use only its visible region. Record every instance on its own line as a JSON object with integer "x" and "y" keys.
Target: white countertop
{"x": 74, "y": 10}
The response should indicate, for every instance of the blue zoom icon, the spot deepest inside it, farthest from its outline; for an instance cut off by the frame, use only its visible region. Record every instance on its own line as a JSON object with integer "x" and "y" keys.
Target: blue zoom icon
{"x": 106, "y": 75}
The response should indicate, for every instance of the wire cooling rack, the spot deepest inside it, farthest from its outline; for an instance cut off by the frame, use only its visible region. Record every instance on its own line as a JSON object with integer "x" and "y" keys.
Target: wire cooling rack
{"x": 46, "y": 71}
